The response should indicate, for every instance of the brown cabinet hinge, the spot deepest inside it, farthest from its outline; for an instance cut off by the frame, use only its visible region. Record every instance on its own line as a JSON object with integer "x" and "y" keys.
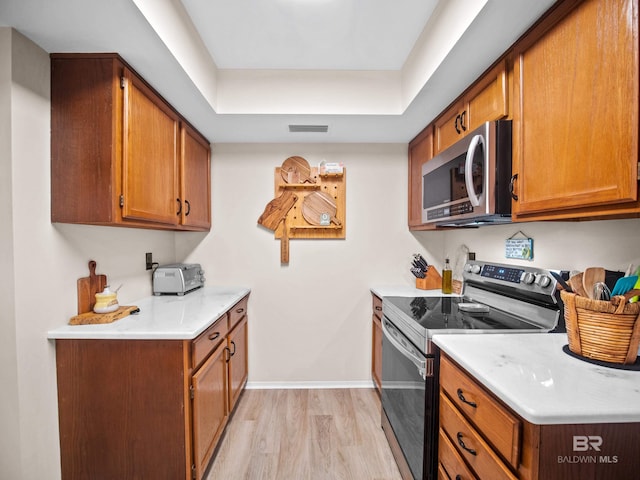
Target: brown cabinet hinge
{"x": 122, "y": 81}
{"x": 191, "y": 392}
{"x": 121, "y": 200}
{"x": 638, "y": 170}
{"x": 193, "y": 471}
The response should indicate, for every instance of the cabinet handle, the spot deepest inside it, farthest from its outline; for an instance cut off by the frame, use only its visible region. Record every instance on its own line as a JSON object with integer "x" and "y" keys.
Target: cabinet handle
{"x": 456, "y": 124}
{"x": 463, "y": 116}
{"x": 458, "y": 477}
{"x": 179, "y": 206}
{"x": 228, "y": 353}
{"x": 378, "y": 308}
{"x": 461, "y": 443}
{"x": 239, "y": 310}
{"x": 188, "y": 208}
{"x": 514, "y": 177}
{"x": 214, "y": 335}
{"x": 461, "y": 397}
{"x": 234, "y": 348}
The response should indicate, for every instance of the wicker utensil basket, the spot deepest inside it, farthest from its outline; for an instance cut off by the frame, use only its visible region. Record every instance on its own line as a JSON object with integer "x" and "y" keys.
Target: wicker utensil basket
{"x": 603, "y": 330}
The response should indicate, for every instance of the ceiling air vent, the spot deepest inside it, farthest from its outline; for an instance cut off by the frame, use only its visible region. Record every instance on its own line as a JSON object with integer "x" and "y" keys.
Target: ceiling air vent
{"x": 309, "y": 128}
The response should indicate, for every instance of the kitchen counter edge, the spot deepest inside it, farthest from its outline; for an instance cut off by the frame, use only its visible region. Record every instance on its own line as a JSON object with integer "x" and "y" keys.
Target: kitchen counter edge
{"x": 544, "y": 385}
{"x": 165, "y": 317}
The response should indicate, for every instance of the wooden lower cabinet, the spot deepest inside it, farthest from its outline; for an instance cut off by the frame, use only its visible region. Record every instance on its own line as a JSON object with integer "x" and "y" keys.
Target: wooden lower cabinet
{"x": 238, "y": 361}
{"x": 210, "y": 407}
{"x": 147, "y": 409}
{"x": 482, "y": 438}
{"x": 376, "y": 347}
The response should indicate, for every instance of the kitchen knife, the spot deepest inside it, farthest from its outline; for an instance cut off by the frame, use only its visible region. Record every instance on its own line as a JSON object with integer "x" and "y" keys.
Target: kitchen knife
{"x": 417, "y": 272}
{"x": 422, "y": 263}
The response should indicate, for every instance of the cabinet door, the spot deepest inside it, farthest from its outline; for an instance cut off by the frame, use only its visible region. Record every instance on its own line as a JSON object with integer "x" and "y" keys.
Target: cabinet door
{"x": 448, "y": 128}
{"x": 487, "y": 100}
{"x": 576, "y": 119}
{"x": 420, "y": 151}
{"x": 210, "y": 407}
{"x": 376, "y": 365}
{"x": 149, "y": 155}
{"x": 195, "y": 179}
{"x": 238, "y": 361}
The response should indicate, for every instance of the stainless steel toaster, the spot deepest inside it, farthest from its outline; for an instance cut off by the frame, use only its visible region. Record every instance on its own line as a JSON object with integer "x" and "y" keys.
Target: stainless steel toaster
{"x": 177, "y": 278}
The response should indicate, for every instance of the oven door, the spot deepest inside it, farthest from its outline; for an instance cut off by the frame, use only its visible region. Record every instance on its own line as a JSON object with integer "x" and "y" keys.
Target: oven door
{"x": 409, "y": 402}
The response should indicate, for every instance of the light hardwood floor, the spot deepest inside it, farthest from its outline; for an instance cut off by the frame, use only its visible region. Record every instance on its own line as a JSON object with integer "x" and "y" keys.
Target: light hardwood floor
{"x": 305, "y": 435}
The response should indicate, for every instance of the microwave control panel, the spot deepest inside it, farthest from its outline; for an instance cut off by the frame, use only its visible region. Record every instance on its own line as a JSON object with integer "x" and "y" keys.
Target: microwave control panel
{"x": 449, "y": 211}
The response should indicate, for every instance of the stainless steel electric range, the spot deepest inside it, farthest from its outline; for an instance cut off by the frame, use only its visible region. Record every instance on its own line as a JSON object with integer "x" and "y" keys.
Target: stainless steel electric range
{"x": 496, "y": 298}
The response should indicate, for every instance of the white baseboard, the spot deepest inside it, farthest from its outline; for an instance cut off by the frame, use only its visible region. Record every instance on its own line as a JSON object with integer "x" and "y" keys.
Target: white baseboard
{"x": 309, "y": 385}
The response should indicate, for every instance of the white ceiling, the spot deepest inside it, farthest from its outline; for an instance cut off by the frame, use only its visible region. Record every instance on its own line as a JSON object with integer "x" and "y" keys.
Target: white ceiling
{"x": 244, "y": 70}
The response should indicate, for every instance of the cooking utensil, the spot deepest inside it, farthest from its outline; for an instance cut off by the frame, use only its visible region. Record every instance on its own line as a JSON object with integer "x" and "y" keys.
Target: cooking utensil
{"x": 420, "y": 261}
{"x": 576, "y": 283}
{"x": 418, "y": 272}
{"x": 277, "y": 209}
{"x": 611, "y": 277}
{"x": 561, "y": 281}
{"x": 623, "y": 285}
{"x": 601, "y": 291}
{"x": 319, "y": 208}
{"x": 296, "y": 170}
{"x": 88, "y": 287}
{"x": 590, "y": 277}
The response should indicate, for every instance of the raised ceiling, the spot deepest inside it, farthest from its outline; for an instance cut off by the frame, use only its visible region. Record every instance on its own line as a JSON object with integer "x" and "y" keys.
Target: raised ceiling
{"x": 243, "y": 71}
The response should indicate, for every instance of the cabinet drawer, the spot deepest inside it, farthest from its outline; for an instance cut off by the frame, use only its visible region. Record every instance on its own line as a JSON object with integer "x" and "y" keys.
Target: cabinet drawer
{"x": 238, "y": 311}
{"x": 499, "y": 427}
{"x": 377, "y": 306}
{"x": 451, "y": 461}
{"x": 470, "y": 445}
{"x": 208, "y": 340}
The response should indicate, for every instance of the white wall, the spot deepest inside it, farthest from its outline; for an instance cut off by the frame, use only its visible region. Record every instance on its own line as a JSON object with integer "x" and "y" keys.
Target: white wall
{"x": 40, "y": 264}
{"x": 309, "y": 320}
{"x": 612, "y": 244}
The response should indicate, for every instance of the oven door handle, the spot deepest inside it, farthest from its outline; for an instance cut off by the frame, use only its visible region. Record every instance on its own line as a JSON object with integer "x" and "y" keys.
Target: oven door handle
{"x": 392, "y": 333}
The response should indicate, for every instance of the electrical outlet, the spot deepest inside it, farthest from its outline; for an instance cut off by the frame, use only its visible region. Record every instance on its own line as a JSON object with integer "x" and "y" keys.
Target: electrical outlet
{"x": 149, "y": 260}
{"x": 471, "y": 256}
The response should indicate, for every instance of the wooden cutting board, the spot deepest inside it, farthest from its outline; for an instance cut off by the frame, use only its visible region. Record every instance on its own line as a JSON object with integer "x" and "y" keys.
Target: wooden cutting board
{"x": 319, "y": 204}
{"x": 91, "y": 318}
{"x": 277, "y": 209}
{"x": 296, "y": 170}
{"x": 88, "y": 287}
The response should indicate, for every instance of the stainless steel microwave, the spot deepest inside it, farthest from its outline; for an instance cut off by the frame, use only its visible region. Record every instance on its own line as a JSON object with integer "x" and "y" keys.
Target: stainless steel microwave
{"x": 469, "y": 183}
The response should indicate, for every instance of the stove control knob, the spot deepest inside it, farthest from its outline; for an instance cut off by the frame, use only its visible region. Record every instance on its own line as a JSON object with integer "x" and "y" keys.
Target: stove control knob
{"x": 471, "y": 268}
{"x": 527, "y": 278}
{"x": 543, "y": 280}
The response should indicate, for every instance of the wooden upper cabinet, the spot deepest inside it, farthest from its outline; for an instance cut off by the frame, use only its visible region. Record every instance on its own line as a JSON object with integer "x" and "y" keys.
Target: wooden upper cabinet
{"x": 149, "y": 155}
{"x": 576, "y": 118}
{"x": 420, "y": 151}
{"x": 195, "y": 182}
{"x": 486, "y": 100}
{"x": 120, "y": 154}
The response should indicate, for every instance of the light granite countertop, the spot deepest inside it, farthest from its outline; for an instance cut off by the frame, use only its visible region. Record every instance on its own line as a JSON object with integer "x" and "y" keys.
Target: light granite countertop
{"x": 167, "y": 317}
{"x": 543, "y": 384}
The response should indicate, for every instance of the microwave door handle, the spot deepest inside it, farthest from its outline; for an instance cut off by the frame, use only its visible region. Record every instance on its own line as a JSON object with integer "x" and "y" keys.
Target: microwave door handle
{"x": 418, "y": 362}
{"x": 468, "y": 169}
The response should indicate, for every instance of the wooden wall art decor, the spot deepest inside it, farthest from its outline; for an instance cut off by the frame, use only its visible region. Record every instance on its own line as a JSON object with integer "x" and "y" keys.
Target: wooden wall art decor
{"x": 309, "y": 203}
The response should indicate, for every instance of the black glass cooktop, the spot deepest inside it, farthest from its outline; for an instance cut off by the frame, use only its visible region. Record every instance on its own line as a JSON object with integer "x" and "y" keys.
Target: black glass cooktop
{"x": 455, "y": 313}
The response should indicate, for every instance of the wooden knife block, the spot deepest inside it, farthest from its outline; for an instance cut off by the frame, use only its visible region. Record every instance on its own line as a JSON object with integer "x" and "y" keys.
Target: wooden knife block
{"x": 432, "y": 281}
